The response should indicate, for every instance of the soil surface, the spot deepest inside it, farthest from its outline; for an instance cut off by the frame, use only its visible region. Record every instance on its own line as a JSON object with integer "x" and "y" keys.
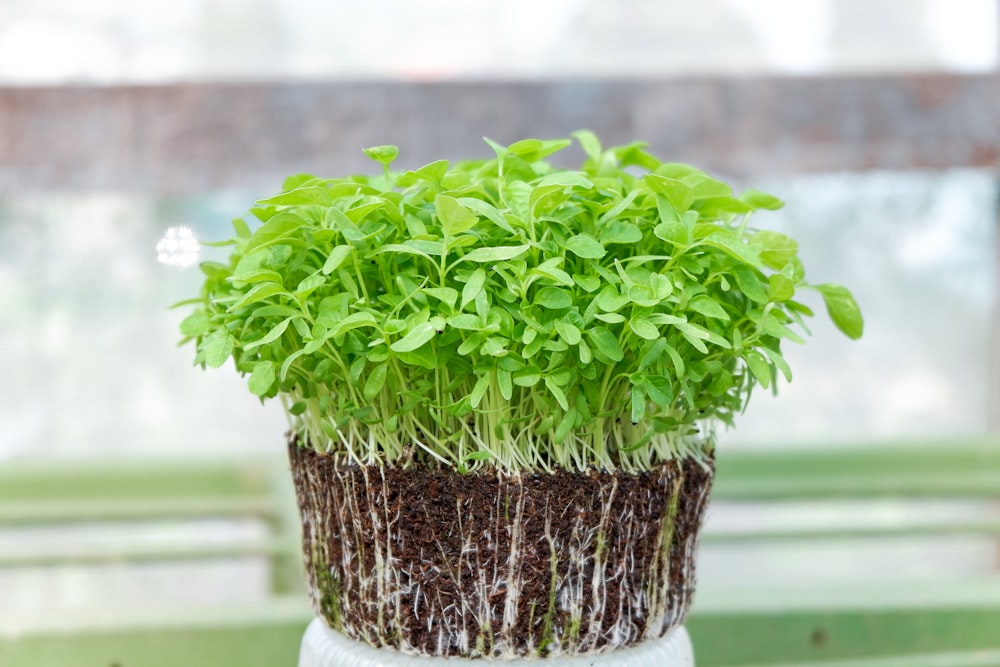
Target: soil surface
{"x": 498, "y": 564}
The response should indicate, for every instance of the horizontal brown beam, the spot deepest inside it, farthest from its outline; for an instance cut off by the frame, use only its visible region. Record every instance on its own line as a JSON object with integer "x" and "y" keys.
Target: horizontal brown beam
{"x": 197, "y": 137}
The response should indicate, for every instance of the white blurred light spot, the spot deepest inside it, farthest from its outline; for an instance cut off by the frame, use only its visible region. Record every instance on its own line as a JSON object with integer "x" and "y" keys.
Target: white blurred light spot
{"x": 45, "y": 51}
{"x": 965, "y": 33}
{"x": 178, "y": 248}
{"x": 794, "y": 36}
{"x": 915, "y": 394}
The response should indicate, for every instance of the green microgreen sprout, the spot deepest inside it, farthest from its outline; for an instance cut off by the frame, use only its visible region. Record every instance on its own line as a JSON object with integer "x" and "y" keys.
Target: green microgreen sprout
{"x": 503, "y": 312}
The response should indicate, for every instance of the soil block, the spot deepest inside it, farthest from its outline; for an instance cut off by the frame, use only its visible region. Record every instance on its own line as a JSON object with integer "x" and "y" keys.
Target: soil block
{"x": 499, "y": 564}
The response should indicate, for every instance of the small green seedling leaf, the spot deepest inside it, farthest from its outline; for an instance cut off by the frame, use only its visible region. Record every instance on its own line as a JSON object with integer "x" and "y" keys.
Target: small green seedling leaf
{"x": 375, "y": 381}
{"x": 553, "y": 298}
{"x": 757, "y": 199}
{"x": 335, "y": 259}
{"x": 217, "y": 348}
{"x": 605, "y": 343}
{"x": 417, "y": 336}
{"x": 497, "y": 254}
{"x": 384, "y": 155}
{"x": 455, "y": 218}
{"x": 195, "y": 324}
{"x": 843, "y": 309}
{"x": 585, "y": 246}
{"x": 473, "y": 286}
{"x": 262, "y": 378}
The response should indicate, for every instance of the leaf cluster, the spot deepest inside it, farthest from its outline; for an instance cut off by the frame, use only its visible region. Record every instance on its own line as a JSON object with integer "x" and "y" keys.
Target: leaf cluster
{"x": 505, "y": 312}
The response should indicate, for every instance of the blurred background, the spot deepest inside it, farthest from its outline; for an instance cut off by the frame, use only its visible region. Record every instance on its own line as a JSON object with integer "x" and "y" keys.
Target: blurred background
{"x": 875, "y": 120}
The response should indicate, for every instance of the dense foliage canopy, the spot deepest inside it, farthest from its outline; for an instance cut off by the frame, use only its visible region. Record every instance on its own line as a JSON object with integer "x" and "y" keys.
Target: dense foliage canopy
{"x": 505, "y": 312}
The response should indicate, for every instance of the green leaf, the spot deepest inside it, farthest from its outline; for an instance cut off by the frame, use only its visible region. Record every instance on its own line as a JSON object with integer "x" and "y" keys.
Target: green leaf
{"x": 335, "y": 259}
{"x": 644, "y": 296}
{"x": 566, "y": 425}
{"x": 757, "y": 199}
{"x": 271, "y": 335}
{"x": 383, "y": 154}
{"x": 478, "y": 391}
{"x": 297, "y": 181}
{"x": 495, "y": 346}
{"x": 843, "y": 309}
{"x": 719, "y": 207}
{"x": 488, "y": 211}
{"x": 495, "y": 254}
{"x": 779, "y": 362}
{"x": 568, "y": 332}
{"x": 585, "y": 246}
{"x": 652, "y": 353}
{"x": 557, "y": 393}
{"x": 673, "y": 231}
{"x": 466, "y": 321}
{"x": 256, "y": 294}
{"x": 550, "y": 269}
{"x": 528, "y": 378}
{"x": 454, "y": 217}
{"x": 775, "y": 249}
{"x": 588, "y": 283}
{"x": 617, "y": 231}
{"x": 313, "y": 194}
{"x": 553, "y": 298}
{"x": 676, "y": 360}
{"x": 750, "y": 284}
{"x": 759, "y": 367}
{"x": 708, "y": 307}
{"x": 375, "y": 382}
{"x": 277, "y": 228}
{"x": 678, "y": 194}
{"x": 432, "y": 172}
{"x": 659, "y": 390}
{"x": 638, "y": 403}
{"x": 590, "y": 144}
{"x": 773, "y": 327}
{"x": 532, "y": 150}
{"x": 310, "y": 283}
{"x": 241, "y": 228}
{"x": 505, "y": 382}
{"x": 357, "y": 368}
{"x": 643, "y": 328}
{"x": 411, "y": 247}
{"x": 445, "y": 295}
{"x": 605, "y": 344}
{"x": 780, "y": 288}
{"x": 610, "y": 300}
{"x": 473, "y": 286}
{"x": 731, "y": 244}
{"x": 354, "y": 321}
{"x": 415, "y": 338}
{"x": 261, "y": 378}
{"x": 195, "y": 324}
{"x": 217, "y": 347}
{"x": 565, "y": 179}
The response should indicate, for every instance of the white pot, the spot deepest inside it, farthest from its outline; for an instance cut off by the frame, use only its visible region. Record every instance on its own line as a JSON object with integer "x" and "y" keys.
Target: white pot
{"x": 323, "y": 647}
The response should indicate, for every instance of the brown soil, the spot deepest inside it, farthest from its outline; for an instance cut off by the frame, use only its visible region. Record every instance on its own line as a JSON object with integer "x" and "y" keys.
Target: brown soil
{"x": 494, "y": 564}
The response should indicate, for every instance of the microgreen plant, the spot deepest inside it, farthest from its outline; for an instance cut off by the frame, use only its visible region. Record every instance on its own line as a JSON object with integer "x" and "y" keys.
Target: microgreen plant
{"x": 505, "y": 312}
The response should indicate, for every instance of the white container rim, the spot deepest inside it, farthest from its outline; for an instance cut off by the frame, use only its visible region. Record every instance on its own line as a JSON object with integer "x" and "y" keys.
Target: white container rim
{"x": 323, "y": 647}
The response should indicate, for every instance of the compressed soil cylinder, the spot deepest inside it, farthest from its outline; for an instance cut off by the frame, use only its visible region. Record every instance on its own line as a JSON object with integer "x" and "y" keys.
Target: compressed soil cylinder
{"x": 498, "y": 564}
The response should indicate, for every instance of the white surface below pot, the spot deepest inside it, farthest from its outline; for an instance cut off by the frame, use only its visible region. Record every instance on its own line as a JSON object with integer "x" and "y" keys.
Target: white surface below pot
{"x": 323, "y": 647}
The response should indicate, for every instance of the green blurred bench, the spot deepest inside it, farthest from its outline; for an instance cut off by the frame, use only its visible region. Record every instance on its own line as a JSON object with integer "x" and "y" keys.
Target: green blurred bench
{"x": 941, "y": 624}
